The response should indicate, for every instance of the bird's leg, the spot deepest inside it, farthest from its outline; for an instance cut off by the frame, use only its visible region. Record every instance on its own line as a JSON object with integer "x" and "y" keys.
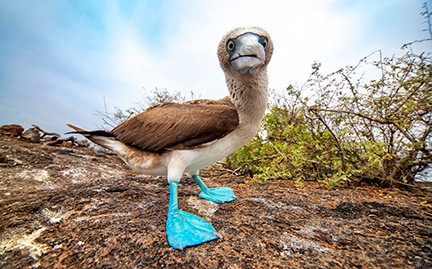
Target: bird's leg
{"x": 217, "y": 195}
{"x": 184, "y": 229}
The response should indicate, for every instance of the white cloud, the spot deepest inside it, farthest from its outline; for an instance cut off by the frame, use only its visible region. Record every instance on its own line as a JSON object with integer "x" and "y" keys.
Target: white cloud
{"x": 117, "y": 63}
{"x": 302, "y": 32}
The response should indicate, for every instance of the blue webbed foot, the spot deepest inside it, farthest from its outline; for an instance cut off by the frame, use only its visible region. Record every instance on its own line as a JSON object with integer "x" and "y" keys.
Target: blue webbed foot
{"x": 218, "y": 195}
{"x": 185, "y": 229}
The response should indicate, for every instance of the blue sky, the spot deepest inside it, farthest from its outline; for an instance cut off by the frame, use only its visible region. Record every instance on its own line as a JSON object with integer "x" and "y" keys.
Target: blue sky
{"x": 59, "y": 60}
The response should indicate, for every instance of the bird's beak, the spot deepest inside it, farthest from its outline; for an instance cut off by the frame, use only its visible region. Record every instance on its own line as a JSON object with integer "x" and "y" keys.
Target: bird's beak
{"x": 248, "y": 54}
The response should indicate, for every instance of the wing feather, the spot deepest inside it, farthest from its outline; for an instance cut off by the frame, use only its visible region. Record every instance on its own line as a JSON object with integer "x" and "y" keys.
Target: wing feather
{"x": 179, "y": 126}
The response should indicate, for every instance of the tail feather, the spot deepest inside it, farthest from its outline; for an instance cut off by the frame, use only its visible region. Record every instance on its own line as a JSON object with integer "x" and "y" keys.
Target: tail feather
{"x": 100, "y": 137}
{"x": 76, "y": 128}
{"x": 86, "y": 133}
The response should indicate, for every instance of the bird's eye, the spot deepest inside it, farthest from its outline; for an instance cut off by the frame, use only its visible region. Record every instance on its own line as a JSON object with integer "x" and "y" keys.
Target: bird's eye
{"x": 230, "y": 45}
{"x": 263, "y": 41}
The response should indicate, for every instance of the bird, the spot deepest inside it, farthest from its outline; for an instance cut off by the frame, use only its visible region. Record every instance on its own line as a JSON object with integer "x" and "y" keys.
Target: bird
{"x": 172, "y": 139}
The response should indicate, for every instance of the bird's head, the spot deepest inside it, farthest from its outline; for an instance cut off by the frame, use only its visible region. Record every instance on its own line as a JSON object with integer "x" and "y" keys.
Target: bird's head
{"x": 245, "y": 50}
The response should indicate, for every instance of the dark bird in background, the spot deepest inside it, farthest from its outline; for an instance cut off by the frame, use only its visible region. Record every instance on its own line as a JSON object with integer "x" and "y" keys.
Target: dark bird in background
{"x": 172, "y": 139}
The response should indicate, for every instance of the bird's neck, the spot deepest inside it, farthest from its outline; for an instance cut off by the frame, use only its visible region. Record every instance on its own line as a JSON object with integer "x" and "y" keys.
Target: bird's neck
{"x": 250, "y": 96}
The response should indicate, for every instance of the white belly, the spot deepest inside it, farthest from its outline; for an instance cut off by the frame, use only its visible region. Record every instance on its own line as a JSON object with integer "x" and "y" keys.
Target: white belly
{"x": 178, "y": 162}
{"x": 220, "y": 149}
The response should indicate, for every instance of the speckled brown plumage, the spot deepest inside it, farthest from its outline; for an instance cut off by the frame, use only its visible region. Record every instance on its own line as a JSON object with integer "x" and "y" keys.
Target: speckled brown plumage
{"x": 178, "y": 126}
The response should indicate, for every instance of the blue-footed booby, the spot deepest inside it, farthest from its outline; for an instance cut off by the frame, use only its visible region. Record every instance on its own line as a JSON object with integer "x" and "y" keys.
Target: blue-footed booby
{"x": 172, "y": 139}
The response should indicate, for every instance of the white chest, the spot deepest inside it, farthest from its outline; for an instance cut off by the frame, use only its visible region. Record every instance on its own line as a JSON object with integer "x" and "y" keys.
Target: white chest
{"x": 199, "y": 158}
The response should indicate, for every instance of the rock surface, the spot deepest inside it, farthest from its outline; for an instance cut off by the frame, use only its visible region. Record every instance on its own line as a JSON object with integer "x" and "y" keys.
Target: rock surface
{"x": 80, "y": 208}
{"x": 14, "y": 130}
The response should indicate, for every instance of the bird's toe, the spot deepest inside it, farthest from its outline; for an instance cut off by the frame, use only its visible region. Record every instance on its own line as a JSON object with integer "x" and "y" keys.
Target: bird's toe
{"x": 218, "y": 195}
{"x": 185, "y": 229}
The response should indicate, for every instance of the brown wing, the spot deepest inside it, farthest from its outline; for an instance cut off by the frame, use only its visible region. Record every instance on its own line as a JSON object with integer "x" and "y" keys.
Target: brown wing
{"x": 178, "y": 126}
